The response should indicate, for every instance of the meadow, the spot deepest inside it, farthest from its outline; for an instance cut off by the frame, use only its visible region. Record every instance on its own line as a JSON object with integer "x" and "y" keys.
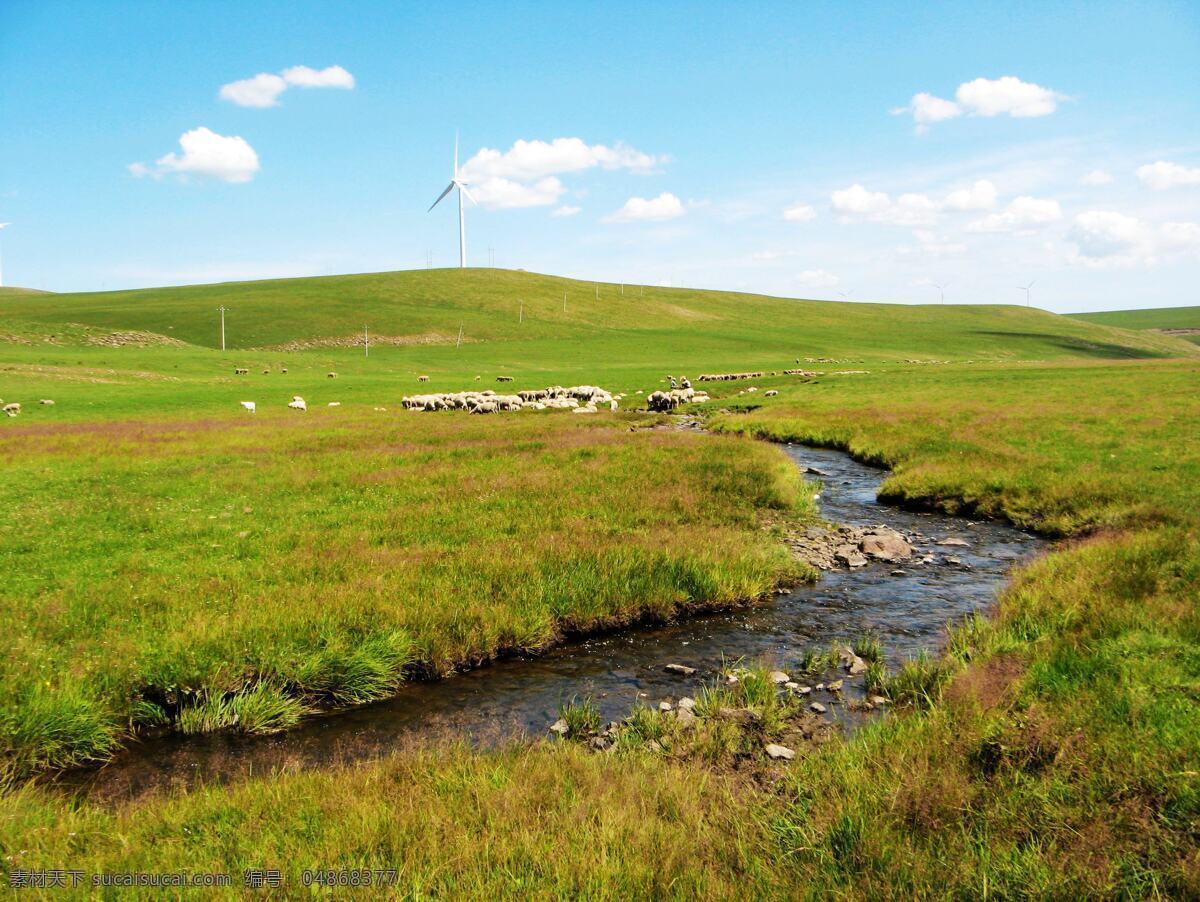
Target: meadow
{"x": 1185, "y": 319}
{"x": 164, "y": 550}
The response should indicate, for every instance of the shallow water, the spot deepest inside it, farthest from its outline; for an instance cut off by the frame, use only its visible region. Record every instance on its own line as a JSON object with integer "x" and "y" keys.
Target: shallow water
{"x": 521, "y": 696}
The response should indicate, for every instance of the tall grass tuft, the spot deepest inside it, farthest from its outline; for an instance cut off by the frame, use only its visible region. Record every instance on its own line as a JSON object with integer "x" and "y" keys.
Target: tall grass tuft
{"x": 919, "y": 681}
{"x": 582, "y": 716}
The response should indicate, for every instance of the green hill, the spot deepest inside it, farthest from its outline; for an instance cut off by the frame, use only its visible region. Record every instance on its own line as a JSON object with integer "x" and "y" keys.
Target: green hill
{"x": 1181, "y": 321}
{"x": 428, "y": 307}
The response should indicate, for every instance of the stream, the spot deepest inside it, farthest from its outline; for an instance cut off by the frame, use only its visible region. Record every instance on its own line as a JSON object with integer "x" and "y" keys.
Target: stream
{"x": 520, "y": 697}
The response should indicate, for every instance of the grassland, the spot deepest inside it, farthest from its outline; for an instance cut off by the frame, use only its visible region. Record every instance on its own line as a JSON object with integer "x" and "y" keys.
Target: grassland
{"x": 1059, "y": 757}
{"x": 1160, "y": 319}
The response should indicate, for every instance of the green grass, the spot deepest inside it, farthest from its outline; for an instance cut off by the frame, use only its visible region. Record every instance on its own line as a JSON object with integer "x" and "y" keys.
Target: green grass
{"x": 1158, "y": 319}
{"x": 1051, "y": 751}
{"x": 180, "y": 563}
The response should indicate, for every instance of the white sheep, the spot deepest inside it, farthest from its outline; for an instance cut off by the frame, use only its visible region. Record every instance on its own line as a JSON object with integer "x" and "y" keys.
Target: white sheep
{"x": 297, "y": 403}
{"x": 335, "y": 403}
{"x": 12, "y": 409}
{"x": 47, "y": 402}
{"x": 249, "y": 405}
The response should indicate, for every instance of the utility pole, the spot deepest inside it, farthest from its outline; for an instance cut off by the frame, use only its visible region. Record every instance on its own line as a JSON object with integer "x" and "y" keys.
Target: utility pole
{"x": 458, "y": 344}
{"x": 366, "y": 343}
{"x": 564, "y": 302}
{"x": 597, "y": 284}
{"x": 521, "y": 316}
{"x": 222, "y": 309}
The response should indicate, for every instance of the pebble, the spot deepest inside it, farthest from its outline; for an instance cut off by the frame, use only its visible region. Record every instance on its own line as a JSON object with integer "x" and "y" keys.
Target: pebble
{"x": 778, "y": 676}
{"x": 560, "y": 727}
{"x": 780, "y": 751}
{"x": 681, "y": 669}
{"x": 686, "y": 703}
{"x": 959, "y": 543}
{"x": 835, "y": 686}
{"x": 685, "y": 717}
{"x": 664, "y": 706}
{"x": 818, "y": 707}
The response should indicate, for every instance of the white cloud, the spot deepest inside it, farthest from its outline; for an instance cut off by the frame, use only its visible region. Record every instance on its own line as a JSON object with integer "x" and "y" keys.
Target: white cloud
{"x": 263, "y": 90}
{"x": 1021, "y": 214}
{"x": 1097, "y": 177}
{"x": 1108, "y": 238}
{"x": 1105, "y": 238}
{"x": 329, "y": 77}
{"x": 1184, "y": 235}
{"x": 817, "y": 278}
{"x": 506, "y": 194}
{"x": 1005, "y": 96}
{"x": 800, "y": 213}
{"x": 528, "y": 160}
{"x": 980, "y": 196}
{"x": 205, "y": 153}
{"x": 657, "y": 209}
{"x": 1163, "y": 175}
{"x": 566, "y": 210}
{"x": 858, "y": 200}
{"x": 910, "y": 209}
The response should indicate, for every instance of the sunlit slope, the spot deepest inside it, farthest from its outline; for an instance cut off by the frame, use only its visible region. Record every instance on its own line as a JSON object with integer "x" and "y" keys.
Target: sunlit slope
{"x": 431, "y": 306}
{"x": 1158, "y": 319}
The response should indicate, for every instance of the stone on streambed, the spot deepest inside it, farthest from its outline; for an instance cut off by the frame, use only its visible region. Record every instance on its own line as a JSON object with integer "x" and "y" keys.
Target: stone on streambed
{"x": 955, "y": 542}
{"x": 560, "y": 727}
{"x": 680, "y": 669}
{"x": 817, "y": 707}
{"x": 685, "y": 717}
{"x": 779, "y": 751}
{"x": 886, "y": 545}
{"x": 853, "y": 664}
{"x": 849, "y": 556}
{"x": 665, "y": 707}
{"x": 835, "y": 686}
{"x": 686, "y": 703}
{"x": 778, "y": 676}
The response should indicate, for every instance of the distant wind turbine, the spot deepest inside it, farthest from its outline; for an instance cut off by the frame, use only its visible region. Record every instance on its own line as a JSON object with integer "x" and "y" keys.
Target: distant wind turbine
{"x": 458, "y": 183}
{"x": 1025, "y": 288}
{"x": 3, "y": 226}
{"x": 941, "y": 289}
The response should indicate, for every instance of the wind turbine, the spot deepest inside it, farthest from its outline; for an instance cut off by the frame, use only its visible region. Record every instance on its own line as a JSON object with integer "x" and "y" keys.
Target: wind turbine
{"x": 941, "y": 289}
{"x": 1025, "y": 288}
{"x": 3, "y": 226}
{"x": 458, "y": 183}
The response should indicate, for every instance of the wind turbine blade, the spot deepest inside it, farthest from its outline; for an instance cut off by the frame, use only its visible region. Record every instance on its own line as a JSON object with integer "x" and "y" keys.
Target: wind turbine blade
{"x": 449, "y": 188}
{"x": 463, "y": 188}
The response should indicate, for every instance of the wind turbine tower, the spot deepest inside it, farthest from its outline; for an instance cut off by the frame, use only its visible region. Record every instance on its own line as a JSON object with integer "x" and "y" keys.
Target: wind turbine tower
{"x": 456, "y": 182}
{"x": 1026, "y": 289}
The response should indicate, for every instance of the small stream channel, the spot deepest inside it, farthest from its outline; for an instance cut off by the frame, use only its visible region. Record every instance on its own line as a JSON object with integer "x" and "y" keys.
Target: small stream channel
{"x": 518, "y": 697}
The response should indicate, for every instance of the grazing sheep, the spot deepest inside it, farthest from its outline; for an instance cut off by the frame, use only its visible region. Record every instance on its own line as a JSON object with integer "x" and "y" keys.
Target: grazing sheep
{"x": 12, "y": 409}
{"x": 504, "y": 378}
{"x": 47, "y": 402}
{"x": 770, "y": 394}
{"x": 335, "y": 403}
{"x": 283, "y": 370}
{"x": 477, "y": 378}
{"x": 267, "y": 371}
{"x": 241, "y": 371}
{"x": 685, "y": 382}
{"x": 249, "y": 405}
{"x": 422, "y": 378}
{"x": 297, "y": 403}
{"x": 726, "y": 377}
{"x": 332, "y": 375}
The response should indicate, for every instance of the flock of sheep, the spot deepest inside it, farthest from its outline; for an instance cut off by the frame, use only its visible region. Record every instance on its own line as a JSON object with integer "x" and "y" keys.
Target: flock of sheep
{"x": 577, "y": 398}
{"x": 13, "y": 408}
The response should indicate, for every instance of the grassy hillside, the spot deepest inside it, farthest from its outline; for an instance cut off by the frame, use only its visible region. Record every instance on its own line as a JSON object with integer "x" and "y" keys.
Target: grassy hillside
{"x": 1159, "y": 318}
{"x": 428, "y": 306}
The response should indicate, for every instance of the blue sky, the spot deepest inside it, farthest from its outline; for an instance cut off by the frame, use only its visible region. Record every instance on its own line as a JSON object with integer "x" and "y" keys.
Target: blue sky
{"x": 830, "y": 150}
